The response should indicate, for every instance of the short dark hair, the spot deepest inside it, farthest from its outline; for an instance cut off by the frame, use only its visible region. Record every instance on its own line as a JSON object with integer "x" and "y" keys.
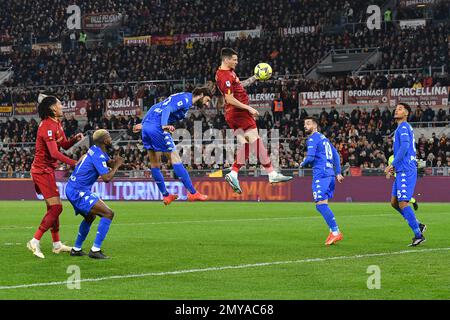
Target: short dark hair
{"x": 202, "y": 90}
{"x": 227, "y": 53}
{"x": 44, "y": 108}
{"x": 314, "y": 119}
{"x": 406, "y": 106}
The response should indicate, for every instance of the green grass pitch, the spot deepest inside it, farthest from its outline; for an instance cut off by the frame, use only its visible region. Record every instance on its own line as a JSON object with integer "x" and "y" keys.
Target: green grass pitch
{"x": 230, "y": 250}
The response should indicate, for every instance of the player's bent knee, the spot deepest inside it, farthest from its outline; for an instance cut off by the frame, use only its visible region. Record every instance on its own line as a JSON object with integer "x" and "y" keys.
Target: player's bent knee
{"x": 109, "y": 214}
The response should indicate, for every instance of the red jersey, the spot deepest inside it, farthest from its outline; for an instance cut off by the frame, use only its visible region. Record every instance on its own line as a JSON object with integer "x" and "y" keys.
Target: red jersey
{"x": 228, "y": 83}
{"x": 50, "y": 131}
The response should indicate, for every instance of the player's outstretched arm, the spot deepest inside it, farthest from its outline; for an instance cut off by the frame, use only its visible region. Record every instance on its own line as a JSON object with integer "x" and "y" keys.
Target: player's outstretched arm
{"x": 118, "y": 161}
{"x": 248, "y": 81}
{"x": 55, "y": 154}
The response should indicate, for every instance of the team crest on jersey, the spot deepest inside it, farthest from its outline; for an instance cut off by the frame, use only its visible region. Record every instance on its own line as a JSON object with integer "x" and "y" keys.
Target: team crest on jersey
{"x": 50, "y": 133}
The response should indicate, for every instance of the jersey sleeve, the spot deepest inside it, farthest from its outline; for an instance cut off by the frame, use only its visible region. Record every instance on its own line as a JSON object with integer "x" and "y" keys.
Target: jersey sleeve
{"x": 47, "y": 132}
{"x": 311, "y": 148}
{"x": 404, "y": 134}
{"x": 224, "y": 82}
{"x": 100, "y": 164}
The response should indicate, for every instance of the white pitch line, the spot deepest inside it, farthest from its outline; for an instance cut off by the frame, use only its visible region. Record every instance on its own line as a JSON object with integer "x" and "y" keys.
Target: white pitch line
{"x": 243, "y": 266}
{"x": 215, "y": 221}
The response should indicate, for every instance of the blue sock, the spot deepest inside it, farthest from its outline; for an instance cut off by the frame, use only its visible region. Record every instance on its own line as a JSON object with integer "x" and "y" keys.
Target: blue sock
{"x": 82, "y": 233}
{"x": 328, "y": 215}
{"x": 409, "y": 215}
{"x": 400, "y": 211}
{"x": 182, "y": 173}
{"x": 157, "y": 175}
{"x": 103, "y": 228}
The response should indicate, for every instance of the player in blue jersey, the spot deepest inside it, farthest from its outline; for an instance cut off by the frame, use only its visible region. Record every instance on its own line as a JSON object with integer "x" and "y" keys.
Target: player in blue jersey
{"x": 405, "y": 168}
{"x": 324, "y": 159}
{"x": 78, "y": 191}
{"x": 157, "y": 127}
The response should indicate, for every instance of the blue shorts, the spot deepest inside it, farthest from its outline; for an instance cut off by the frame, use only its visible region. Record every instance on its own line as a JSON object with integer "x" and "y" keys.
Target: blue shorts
{"x": 404, "y": 184}
{"x": 82, "y": 201}
{"x": 323, "y": 188}
{"x": 155, "y": 138}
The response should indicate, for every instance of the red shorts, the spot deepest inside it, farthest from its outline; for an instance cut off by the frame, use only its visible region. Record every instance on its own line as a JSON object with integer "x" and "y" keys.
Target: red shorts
{"x": 45, "y": 184}
{"x": 242, "y": 121}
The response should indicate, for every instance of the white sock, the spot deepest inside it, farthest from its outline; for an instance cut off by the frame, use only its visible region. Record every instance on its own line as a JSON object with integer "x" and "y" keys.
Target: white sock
{"x": 273, "y": 174}
{"x": 35, "y": 241}
{"x": 95, "y": 249}
{"x": 234, "y": 174}
{"x": 57, "y": 244}
{"x": 335, "y": 233}
{"x": 76, "y": 249}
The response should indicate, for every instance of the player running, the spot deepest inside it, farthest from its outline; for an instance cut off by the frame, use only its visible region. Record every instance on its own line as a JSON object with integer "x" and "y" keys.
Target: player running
{"x": 241, "y": 118}
{"x": 78, "y": 191}
{"x": 50, "y": 137}
{"x": 405, "y": 168}
{"x": 324, "y": 158}
{"x": 157, "y": 127}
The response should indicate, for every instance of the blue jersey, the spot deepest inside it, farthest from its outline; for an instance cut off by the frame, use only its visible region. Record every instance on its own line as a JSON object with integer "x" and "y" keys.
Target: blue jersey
{"x": 404, "y": 149}
{"x": 322, "y": 155}
{"x": 93, "y": 165}
{"x": 169, "y": 111}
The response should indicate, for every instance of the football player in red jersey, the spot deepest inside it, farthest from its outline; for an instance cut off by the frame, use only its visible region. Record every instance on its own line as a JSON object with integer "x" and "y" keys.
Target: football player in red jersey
{"x": 241, "y": 118}
{"x": 50, "y": 137}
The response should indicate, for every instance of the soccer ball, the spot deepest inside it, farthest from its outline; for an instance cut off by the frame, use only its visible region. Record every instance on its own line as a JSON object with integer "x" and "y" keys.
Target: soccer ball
{"x": 263, "y": 71}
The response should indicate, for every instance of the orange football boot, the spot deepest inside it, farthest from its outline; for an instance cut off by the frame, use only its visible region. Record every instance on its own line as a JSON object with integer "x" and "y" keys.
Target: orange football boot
{"x": 197, "y": 197}
{"x": 171, "y": 197}
{"x": 332, "y": 239}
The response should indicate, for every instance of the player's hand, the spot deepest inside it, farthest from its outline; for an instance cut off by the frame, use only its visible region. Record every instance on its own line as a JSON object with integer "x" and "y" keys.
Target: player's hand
{"x": 302, "y": 165}
{"x": 389, "y": 171}
{"x": 137, "y": 128}
{"x": 78, "y": 137}
{"x": 340, "y": 178}
{"x": 168, "y": 128}
{"x": 253, "y": 112}
{"x": 118, "y": 161}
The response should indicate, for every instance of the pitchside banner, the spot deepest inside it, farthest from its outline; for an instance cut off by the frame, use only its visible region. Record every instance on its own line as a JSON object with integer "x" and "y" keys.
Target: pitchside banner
{"x": 377, "y": 97}
{"x": 429, "y": 96}
{"x": 357, "y": 189}
{"x": 76, "y": 108}
{"x": 321, "y": 98}
{"x": 25, "y": 109}
{"x": 6, "y": 110}
{"x": 123, "y": 107}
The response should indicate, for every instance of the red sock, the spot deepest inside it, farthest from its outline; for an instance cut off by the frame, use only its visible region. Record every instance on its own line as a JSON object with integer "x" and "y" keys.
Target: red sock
{"x": 55, "y": 231}
{"x": 241, "y": 157}
{"x": 49, "y": 220}
{"x": 262, "y": 154}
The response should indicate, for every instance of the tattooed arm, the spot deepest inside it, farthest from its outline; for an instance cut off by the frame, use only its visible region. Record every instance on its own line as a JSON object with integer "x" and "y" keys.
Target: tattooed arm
{"x": 248, "y": 81}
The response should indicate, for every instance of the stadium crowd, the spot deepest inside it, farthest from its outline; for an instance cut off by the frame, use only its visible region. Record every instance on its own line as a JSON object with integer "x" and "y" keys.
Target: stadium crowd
{"x": 98, "y": 73}
{"x": 363, "y": 138}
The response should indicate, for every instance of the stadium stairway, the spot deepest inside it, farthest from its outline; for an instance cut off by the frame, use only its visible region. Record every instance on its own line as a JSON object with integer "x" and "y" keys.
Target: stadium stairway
{"x": 343, "y": 61}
